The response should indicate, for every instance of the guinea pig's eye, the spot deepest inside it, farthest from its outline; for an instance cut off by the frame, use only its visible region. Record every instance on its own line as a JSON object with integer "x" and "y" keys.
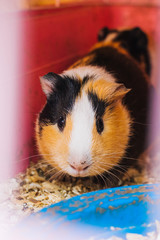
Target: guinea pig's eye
{"x": 99, "y": 125}
{"x": 61, "y": 123}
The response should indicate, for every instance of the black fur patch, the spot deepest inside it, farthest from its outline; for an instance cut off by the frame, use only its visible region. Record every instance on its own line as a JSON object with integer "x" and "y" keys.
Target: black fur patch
{"x": 85, "y": 79}
{"x": 136, "y": 43}
{"x": 60, "y": 101}
{"x": 99, "y": 105}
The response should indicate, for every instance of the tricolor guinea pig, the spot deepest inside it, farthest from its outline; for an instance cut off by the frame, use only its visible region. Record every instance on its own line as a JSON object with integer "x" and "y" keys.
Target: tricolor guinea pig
{"x": 95, "y": 117}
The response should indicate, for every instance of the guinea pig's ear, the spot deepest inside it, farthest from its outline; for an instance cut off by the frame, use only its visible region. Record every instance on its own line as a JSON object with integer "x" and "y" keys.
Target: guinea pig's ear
{"x": 48, "y": 83}
{"x": 119, "y": 91}
{"x": 102, "y": 34}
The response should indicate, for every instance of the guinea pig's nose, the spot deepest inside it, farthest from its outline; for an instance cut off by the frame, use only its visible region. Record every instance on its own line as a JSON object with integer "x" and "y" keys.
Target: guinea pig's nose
{"x": 79, "y": 166}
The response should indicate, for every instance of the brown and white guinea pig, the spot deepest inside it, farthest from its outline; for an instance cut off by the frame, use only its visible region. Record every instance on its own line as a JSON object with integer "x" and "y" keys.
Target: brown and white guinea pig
{"x": 94, "y": 121}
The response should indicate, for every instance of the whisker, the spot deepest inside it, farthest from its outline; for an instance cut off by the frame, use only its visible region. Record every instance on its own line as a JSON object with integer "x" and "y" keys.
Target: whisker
{"x": 103, "y": 177}
{"x": 36, "y": 155}
{"x": 111, "y": 164}
{"x": 49, "y": 171}
{"x": 99, "y": 174}
{"x": 112, "y": 156}
{"x": 55, "y": 175}
{"x": 108, "y": 171}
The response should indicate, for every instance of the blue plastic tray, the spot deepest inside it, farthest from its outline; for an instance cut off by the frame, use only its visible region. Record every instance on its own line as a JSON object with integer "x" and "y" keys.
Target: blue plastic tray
{"x": 98, "y": 215}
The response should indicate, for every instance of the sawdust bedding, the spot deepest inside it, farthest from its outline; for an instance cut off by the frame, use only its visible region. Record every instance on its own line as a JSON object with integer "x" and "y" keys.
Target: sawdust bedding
{"x": 34, "y": 189}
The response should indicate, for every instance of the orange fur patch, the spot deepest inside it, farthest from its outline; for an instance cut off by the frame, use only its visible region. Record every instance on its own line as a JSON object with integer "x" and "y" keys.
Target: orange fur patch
{"x": 53, "y": 143}
{"x": 105, "y": 90}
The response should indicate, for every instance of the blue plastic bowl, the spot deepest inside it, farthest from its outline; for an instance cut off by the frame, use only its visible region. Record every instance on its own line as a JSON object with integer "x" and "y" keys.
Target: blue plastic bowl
{"x": 98, "y": 215}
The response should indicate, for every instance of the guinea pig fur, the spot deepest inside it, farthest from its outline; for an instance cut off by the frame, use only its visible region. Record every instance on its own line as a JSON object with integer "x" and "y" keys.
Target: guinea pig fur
{"x": 94, "y": 120}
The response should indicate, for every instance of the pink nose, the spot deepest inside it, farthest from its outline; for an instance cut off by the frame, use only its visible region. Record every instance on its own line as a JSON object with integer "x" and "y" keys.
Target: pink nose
{"x": 79, "y": 166}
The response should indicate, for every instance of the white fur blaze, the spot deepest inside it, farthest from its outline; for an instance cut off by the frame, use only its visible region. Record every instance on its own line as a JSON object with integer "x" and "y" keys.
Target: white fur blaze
{"x": 81, "y": 135}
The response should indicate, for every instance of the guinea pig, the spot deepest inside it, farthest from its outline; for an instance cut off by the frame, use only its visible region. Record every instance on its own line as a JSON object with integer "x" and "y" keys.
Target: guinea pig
{"x": 95, "y": 117}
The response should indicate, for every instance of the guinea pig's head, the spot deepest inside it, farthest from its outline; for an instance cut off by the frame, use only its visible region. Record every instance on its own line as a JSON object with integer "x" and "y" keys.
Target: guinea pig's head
{"x": 83, "y": 130}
